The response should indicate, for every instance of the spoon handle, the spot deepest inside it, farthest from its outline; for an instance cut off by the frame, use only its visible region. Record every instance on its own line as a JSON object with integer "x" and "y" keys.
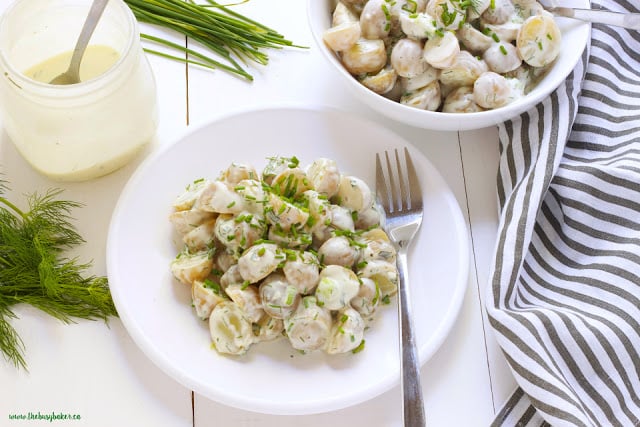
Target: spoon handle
{"x": 97, "y": 7}
{"x": 625, "y": 20}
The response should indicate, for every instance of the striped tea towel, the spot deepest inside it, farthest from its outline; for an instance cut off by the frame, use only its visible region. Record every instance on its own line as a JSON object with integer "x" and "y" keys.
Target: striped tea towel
{"x": 564, "y": 299}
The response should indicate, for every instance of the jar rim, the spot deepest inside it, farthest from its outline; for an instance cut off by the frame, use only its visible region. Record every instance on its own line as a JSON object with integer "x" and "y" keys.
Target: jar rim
{"x": 18, "y": 78}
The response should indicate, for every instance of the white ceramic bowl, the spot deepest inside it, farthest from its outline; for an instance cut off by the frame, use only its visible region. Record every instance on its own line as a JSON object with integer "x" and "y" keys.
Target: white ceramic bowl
{"x": 575, "y": 35}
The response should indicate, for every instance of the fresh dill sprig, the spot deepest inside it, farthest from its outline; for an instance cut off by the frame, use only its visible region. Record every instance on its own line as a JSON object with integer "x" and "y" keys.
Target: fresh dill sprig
{"x": 34, "y": 270}
{"x": 226, "y": 34}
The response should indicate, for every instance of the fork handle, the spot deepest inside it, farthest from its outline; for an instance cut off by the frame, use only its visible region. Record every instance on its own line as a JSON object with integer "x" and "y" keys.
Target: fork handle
{"x": 618, "y": 19}
{"x": 412, "y": 401}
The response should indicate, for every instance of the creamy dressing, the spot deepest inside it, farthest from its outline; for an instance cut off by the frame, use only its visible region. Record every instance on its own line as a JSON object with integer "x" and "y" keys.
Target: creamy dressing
{"x": 80, "y": 131}
{"x": 96, "y": 61}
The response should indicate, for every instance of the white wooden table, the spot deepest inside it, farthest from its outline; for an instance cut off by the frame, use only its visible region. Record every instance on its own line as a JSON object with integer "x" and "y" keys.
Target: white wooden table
{"x": 97, "y": 371}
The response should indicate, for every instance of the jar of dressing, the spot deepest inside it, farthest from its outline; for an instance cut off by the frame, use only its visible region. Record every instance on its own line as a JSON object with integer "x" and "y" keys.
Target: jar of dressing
{"x": 85, "y": 130}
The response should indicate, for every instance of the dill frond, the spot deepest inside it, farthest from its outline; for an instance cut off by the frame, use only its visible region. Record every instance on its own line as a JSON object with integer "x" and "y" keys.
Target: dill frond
{"x": 35, "y": 271}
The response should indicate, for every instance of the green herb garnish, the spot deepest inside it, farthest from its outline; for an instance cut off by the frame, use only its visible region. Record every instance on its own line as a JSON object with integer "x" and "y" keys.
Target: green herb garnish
{"x": 410, "y": 6}
{"x": 359, "y": 348}
{"x": 228, "y": 35}
{"x": 34, "y": 270}
{"x": 447, "y": 17}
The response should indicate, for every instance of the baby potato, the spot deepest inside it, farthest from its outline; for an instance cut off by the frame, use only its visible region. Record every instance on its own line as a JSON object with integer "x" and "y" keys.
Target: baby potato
{"x": 384, "y": 273}
{"x": 464, "y": 70}
{"x": 284, "y": 214}
{"x": 279, "y": 297}
{"x": 247, "y": 298}
{"x": 347, "y": 332}
{"x": 499, "y": 12}
{"x": 343, "y": 14}
{"x": 338, "y": 250}
{"x": 539, "y": 40}
{"x": 219, "y": 197}
{"x": 448, "y": 14}
{"x": 342, "y": 37}
{"x": 187, "y": 199}
{"x": 302, "y": 271}
{"x": 441, "y": 51}
{"x": 418, "y": 25}
{"x": 367, "y": 299}
{"x": 205, "y": 295}
{"x": 231, "y": 331}
{"x": 473, "y": 39}
{"x": 502, "y": 58}
{"x": 430, "y": 75}
{"x": 479, "y": 6}
{"x": 275, "y": 166}
{"x": 407, "y": 59}
{"x": 324, "y": 176}
{"x": 461, "y": 100}
{"x": 506, "y": 32}
{"x": 319, "y": 213}
{"x": 231, "y": 277}
{"x": 374, "y": 20}
{"x": 354, "y": 194}
{"x": 186, "y": 220}
{"x": 309, "y": 328}
{"x": 382, "y": 82}
{"x": 237, "y": 233}
{"x": 201, "y": 237}
{"x": 341, "y": 218}
{"x": 377, "y": 247}
{"x": 268, "y": 328}
{"x": 365, "y": 56}
{"x": 224, "y": 260}
{"x": 337, "y": 286}
{"x": 188, "y": 268}
{"x": 368, "y": 218}
{"x": 253, "y": 195}
{"x": 491, "y": 90}
{"x": 425, "y": 98}
{"x": 237, "y": 172}
{"x": 259, "y": 261}
{"x": 291, "y": 182}
{"x": 527, "y": 8}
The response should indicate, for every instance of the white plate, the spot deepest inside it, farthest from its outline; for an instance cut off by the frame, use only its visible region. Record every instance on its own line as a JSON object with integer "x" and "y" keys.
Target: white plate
{"x": 272, "y": 377}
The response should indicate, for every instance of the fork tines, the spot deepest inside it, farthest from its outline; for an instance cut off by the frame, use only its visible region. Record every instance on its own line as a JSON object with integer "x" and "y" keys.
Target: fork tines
{"x": 397, "y": 185}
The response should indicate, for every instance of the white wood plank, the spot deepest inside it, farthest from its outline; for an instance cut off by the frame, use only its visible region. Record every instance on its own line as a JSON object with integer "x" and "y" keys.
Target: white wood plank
{"x": 480, "y": 157}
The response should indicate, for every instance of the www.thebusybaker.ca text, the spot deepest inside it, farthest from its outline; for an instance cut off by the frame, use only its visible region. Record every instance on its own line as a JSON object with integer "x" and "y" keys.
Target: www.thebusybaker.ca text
{"x": 52, "y": 416}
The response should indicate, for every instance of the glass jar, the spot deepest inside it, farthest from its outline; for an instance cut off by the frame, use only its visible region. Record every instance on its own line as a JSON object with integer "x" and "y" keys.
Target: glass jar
{"x": 81, "y": 131}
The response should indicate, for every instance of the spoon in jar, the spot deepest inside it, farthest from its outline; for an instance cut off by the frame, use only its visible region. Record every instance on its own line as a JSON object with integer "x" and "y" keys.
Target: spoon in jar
{"x": 72, "y": 75}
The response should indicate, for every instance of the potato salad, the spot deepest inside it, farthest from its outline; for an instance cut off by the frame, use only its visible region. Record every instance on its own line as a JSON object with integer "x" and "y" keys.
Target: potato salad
{"x": 290, "y": 252}
{"x": 454, "y": 56}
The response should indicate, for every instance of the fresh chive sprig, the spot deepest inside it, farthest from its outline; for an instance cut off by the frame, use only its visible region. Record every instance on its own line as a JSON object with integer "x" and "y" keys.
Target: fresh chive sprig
{"x": 232, "y": 38}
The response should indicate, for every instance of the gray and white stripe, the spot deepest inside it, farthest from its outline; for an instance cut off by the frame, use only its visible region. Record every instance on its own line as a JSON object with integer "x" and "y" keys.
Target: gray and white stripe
{"x": 565, "y": 288}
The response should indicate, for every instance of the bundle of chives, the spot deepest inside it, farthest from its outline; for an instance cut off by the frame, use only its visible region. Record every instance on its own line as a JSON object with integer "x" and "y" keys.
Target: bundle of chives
{"x": 228, "y": 34}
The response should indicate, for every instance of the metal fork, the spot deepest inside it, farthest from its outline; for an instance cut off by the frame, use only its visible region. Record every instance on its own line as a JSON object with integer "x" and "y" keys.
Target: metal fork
{"x": 398, "y": 191}
{"x": 597, "y": 16}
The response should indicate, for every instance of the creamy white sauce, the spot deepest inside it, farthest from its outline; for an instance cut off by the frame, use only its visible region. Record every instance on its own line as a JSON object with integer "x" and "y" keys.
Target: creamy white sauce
{"x": 97, "y": 59}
